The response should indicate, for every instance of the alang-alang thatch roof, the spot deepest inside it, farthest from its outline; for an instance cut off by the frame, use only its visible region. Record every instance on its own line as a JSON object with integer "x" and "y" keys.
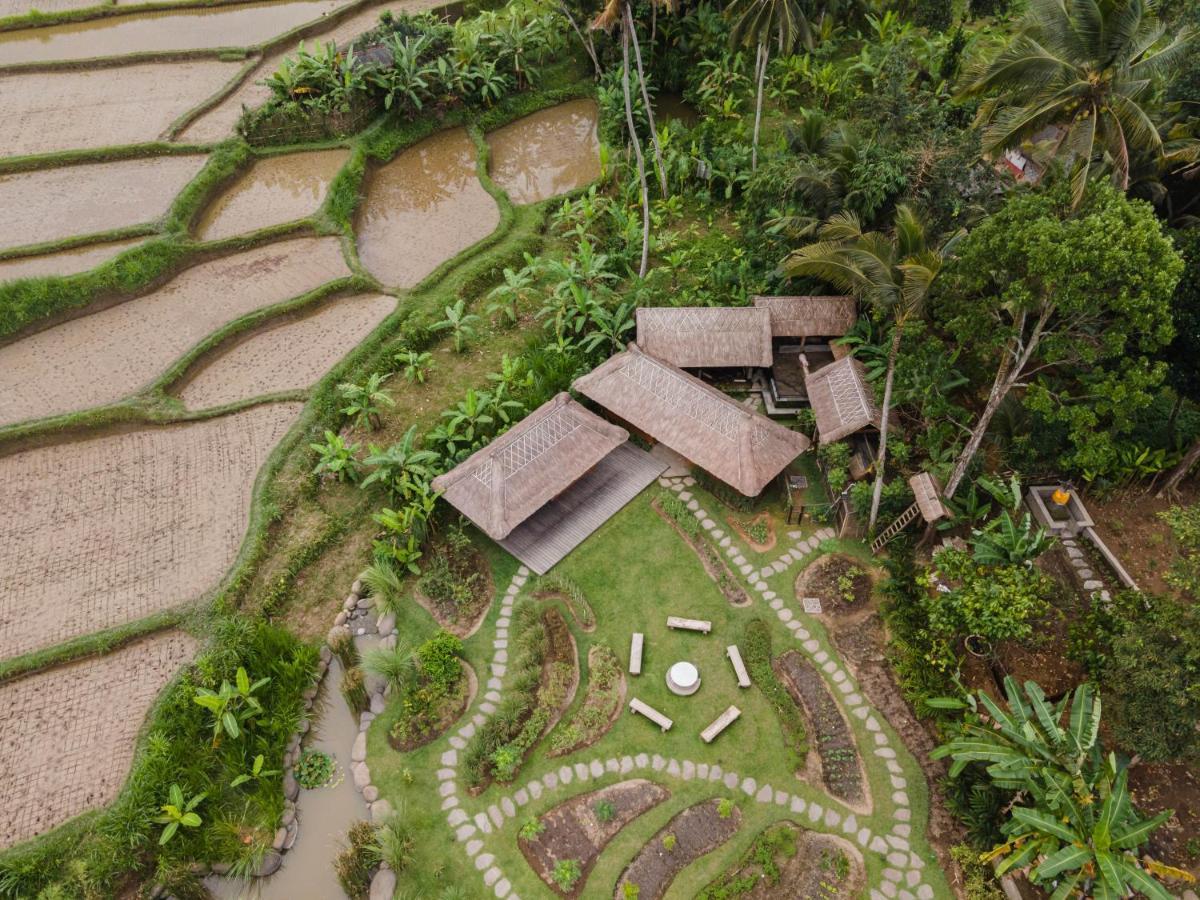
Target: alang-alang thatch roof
{"x": 841, "y": 399}
{"x": 809, "y": 317}
{"x": 510, "y": 479}
{"x": 714, "y": 431}
{"x": 706, "y": 336}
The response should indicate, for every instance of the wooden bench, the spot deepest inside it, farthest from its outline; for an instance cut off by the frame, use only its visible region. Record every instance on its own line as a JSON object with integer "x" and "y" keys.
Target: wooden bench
{"x": 739, "y": 667}
{"x": 720, "y": 723}
{"x": 689, "y": 624}
{"x": 635, "y": 653}
{"x": 645, "y": 709}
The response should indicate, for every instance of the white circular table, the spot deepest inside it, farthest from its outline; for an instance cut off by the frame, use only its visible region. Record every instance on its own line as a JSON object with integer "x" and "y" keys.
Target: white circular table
{"x": 683, "y": 679}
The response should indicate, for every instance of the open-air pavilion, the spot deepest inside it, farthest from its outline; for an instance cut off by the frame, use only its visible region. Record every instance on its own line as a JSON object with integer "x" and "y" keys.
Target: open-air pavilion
{"x": 808, "y": 326}
{"x": 551, "y": 480}
{"x": 712, "y": 430}
{"x": 706, "y": 337}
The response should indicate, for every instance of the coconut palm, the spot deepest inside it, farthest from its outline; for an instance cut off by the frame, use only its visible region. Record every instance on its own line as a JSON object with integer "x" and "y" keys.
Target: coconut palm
{"x": 763, "y": 22}
{"x": 1087, "y": 69}
{"x": 892, "y": 272}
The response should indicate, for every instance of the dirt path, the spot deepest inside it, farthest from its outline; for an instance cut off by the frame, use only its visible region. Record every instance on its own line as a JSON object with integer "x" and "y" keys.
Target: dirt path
{"x": 69, "y": 733}
{"x": 103, "y": 357}
{"x": 107, "y": 531}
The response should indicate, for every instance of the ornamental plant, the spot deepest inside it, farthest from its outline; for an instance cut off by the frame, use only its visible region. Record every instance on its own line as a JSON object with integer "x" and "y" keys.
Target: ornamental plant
{"x": 567, "y": 873}
{"x": 178, "y": 813}
{"x": 315, "y": 769}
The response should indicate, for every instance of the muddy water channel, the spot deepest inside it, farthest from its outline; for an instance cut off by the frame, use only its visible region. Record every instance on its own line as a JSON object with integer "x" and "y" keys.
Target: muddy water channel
{"x": 190, "y": 29}
{"x": 422, "y": 208}
{"x": 68, "y": 262}
{"x": 548, "y": 153}
{"x": 277, "y": 189}
{"x": 50, "y": 204}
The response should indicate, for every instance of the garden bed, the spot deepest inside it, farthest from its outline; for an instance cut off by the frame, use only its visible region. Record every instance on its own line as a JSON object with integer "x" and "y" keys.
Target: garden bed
{"x": 456, "y": 589}
{"x": 601, "y": 707}
{"x": 697, "y": 830}
{"x": 841, "y": 770}
{"x": 434, "y": 725}
{"x": 710, "y": 558}
{"x": 786, "y": 862}
{"x": 572, "y": 831}
{"x": 757, "y": 531}
{"x": 841, "y": 583}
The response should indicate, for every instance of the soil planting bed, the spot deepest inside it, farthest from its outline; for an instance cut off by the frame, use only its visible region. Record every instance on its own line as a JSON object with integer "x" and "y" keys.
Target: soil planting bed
{"x": 1043, "y": 659}
{"x": 422, "y": 208}
{"x": 601, "y": 704}
{"x": 108, "y": 355}
{"x": 451, "y": 708}
{"x": 712, "y": 561}
{"x": 293, "y": 354}
{"x": 1156, "y": 787}
{"x": 743, "y": 526}
{"x": 186, "y": 29}
{"x": 697, "y": 830}
{"x": 70, "y": 731}
{"x": 831, "y": 737}
{"x": 802, "y": 864}
{"x": 462, "y": 620}
{"x": 112, "y": 529}
{"x": 548, "y": 153}
{"x": 277, "y": 189}
{"x": 82, "y": 109}
{"x": 572, "y": 830}
{"x": 821, "y": 579}
{"x": 68, "y": 262}
{"x": 76, "y": 200}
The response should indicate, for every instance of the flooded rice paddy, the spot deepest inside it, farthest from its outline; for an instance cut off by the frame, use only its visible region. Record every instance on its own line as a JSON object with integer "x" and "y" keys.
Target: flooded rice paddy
{"x": 241, "y": 25}
{"x": 21, "y": 7}
{"x": 47, "y": 112}
{"x": 108, "y": 355}
{"x": 115, "y": 528}
{"x": 276, "y": 189}
{"x": 551, "y": 152}
{"x": 65, "y": 262}
{"x": 293, "y": 354}
{"x": 51, "y": 204}
{"x": 422, "y": 208}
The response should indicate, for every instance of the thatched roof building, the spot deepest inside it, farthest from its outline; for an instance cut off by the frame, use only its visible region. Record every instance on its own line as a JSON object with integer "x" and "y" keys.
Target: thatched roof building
{"x": 841, "y": 399}
{"x": 740, "y": 447}
{"x": 928, "y": 494}
{"x": 694, "y": 337}
{"x": 809, "y": 317}
{"x": 503, "y": 484}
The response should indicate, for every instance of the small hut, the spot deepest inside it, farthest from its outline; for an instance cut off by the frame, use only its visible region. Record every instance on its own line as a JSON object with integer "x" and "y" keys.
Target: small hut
{"x": 842, "y": 401}
{"x": 706, "y": 337}
{"x": 927, "y": 504}
{"x": 710, "y": 429}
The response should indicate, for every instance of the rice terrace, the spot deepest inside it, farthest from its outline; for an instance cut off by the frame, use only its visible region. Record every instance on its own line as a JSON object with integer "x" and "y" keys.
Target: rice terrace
{"x": 600, "y": 449}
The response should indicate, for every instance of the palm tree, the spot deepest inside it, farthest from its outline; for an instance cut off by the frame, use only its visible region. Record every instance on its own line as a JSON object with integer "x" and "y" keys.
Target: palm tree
{"x": 760, "y": 22}
{"x": 1087, "y": 69}
{"x": 891, "y": 272}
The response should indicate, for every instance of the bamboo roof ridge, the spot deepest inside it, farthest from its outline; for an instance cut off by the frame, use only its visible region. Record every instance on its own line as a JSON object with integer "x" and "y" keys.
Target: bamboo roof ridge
{"x": 738, "y": 446}
{"x": 501, "y": 485}
{"x": 695, "y": 337}
{"x": 841, "y": 399}
{"x": 809, "y": 316}
{"x": 928, "y": 494}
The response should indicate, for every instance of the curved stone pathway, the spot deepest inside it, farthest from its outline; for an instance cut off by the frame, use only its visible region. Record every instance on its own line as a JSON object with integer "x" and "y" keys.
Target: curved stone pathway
{"x": 902, "y": 875}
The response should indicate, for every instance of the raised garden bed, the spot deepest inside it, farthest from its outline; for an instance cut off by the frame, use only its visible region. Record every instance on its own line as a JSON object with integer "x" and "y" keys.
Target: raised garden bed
{"x": 602, "y": 704}
{"x": 842, "y": 584}
{"x": 688, "y": 528}
{"x": 786, "y": 862}
{"x": 841, "y": 771}
{"x": 697, "y": 830}
{"x": 757, "y": 531}
{"x": 456, "y": 588}
{"x": 560, "y": 587}
{"x": 572, "y": 831}
{"x": 415, "y": 729}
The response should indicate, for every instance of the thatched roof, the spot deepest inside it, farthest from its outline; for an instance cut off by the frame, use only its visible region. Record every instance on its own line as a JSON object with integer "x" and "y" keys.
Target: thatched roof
{"x": 810, "y": 316}
{"x": 841, "y": 399}
{"x": 928, "y": 494}
{"x": 510, "y": 479}
{"x": 712, "y": 430}
{"x": 693, "y": 337}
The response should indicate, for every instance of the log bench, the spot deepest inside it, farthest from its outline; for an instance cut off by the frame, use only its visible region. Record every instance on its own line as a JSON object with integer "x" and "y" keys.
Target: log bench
{"x": 635, "y": 653}
{"x": 645, "y": 709}
{"x": 719, "y": 724}
{"x": 739, "y": 667}
{"x": 689, "y": 624}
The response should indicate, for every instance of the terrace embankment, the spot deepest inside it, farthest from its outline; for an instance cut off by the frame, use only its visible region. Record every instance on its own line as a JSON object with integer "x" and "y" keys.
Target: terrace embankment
{"x": 65, "y": 262}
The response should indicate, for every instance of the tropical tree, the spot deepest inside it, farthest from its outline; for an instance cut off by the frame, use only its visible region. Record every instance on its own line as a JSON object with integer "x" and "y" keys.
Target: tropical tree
{"x": 178, "y": 813}
{"x": 461, "y": 325}
{"x": 763, "y": 22}
{"x": 365, "y": 402}
{"x": 401, "y": 468}
{"x": 1072, "y": 824}
{"x": 1089, "y": 69}
{"x": 892, "y": 272}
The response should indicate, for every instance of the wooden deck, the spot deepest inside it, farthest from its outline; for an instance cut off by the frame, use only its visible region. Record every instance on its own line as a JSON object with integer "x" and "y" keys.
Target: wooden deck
{"x": 566, "y": 521}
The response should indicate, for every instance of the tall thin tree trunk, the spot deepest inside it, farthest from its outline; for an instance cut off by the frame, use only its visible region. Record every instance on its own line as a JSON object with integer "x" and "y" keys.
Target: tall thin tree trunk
{"x": 762, "y": 77}
{"x": 586, "y": 39}
{"x": 637, "y": 55}
{"x": 881, "y": 460}
{"x": 1180, "y": 472}
{"x": 637, "y": 144}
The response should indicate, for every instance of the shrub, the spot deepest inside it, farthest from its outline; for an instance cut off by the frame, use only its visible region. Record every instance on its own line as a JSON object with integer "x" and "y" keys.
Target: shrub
{"x": 315, "y": 769}
{"x": 669, "y": 842}
{"x": 354, "y": 690}
{"x": 394, "y": 843}
{"x": 756, "y": 652}
{"x": 531, "y": 828}
{"x": 679, "y": 513}
{"x": 996, "y": 602}
{"x": 357, "y": 861}
{"x": 725, "y": 808}
{"x": 605, "y": 811}
{"x": 567, "y": 873}
{"x": 439, "y": 661}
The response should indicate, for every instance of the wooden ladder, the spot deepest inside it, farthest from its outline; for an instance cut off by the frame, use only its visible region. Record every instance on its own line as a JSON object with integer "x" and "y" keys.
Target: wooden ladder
{"x": 902, "y": 522}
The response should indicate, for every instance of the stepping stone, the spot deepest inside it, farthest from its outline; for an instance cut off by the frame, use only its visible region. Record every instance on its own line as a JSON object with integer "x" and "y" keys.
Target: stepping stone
{"x": 812, "y": 605}
{"x": 862, "y": 711}
{"x": 464, "y": 832}
{"x": 468, "y": 730}
{"x": 498, "y": 670}
{"x": 612, "y": 766}
{"x": 740, "y": 560}
{"x": 769, "y": 595}
{"x": 896, "y": 859}
{"x": 863, "y": 837}
{"x": 521, "y": 796}
{"x": 903, "y": 814}
{"x": 657, "y": 763}
{"x": 580, "y": 770}
{"x": 450, "y": 758}
{"x": 474, "y": 846}
{"x": 913, "y": 877}
{"x": 850, "y": 825}
{"x": 566, "y": 775}
{"x": 749, "y": 786}
{"x": 746, "y": 568}
{"x": 500, "y": 656}
{"x": 812, "y": 646}
{"x": 446, "y": 789}
{"x": 503, "y": 622}
{"x": 597, "y": 768}
{"x": 707, "y": 524}
{"x": 778, "y": 567}
{"x": 491, "y": 876}
{"x": 642, "y": 760}
{"x": 820, "y": 656}
{"x": 702, "y": 771}
{"x": 902, "y": 830}
{"x": 495, "y": 684}
{"x": 881, "y": 739}
{"x": 550, "y": 780}
{"x": 878, "y": 845}
{"x": 487, "y": 708}
{"x": 760, "y": 586}
{"x": 502, "y": 888}
{"x": 535, "y": 789}
{"x": 892, "y": 875}
{"x": 894, "y": 767}
{"x": 765, "y": 794}
{"x": 925, "y": 892}
{"x": 898, "y": 842}
{"x": 731, "y": 780}
{"x": 798, "y": 805}
{"x": 915, "y": 861}
{"x": 776, "y": 604}
{"x": 449, "y": 803}
{"x": 685, "y": 496}
{"x": 785, "y": 615}
{"x": 899, "y": 783}
{"x": 508, "y": 807}
{"x": 1086, "y": 574}
{"x": 692, "y": 504}
{"x": 794, "y": 626}
{"x": 673, "y": 768}
{"x": 1074, "y": 552}
{"x": 502, "y": 632}
{"x": 1093, "y": 585}
{"x": 832, "y": 818}
{"x": 725, "y": 542}
{"x": 872, "y": 724}
{"x": 718, "y": 533}
{"x": 781, "y": 798}
{"x": 854, "y": 700}
{"x": 900, "y": 798}
{"x": 445, "y": 774}
{"x": 483, "y": 860}
{"x": 482, "y": 823}
{"x": 456, "y": 817}
{"x": 689, "y": 770}
{"x": 814, "y": 811}
{"x": 886, "y": 752}
{"x": 479, "y": 719}
{"x": 716, "y": 773}
{"x": 795, "y": 535}
{"x": 702, "y": 513}
{"x": 626, "y": 765}
{"x": 495, "y": 815}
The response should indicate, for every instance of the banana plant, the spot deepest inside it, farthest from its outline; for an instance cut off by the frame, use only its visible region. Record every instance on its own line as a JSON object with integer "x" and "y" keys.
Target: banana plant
{"x": 1004, "y": 541}
{"x": 336, "y": 457}
{"x": 232, "y": 706}
{"x": 178, "y": 813}
{"x": 256, "y": 772}
{"x": 400, "y": 467}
